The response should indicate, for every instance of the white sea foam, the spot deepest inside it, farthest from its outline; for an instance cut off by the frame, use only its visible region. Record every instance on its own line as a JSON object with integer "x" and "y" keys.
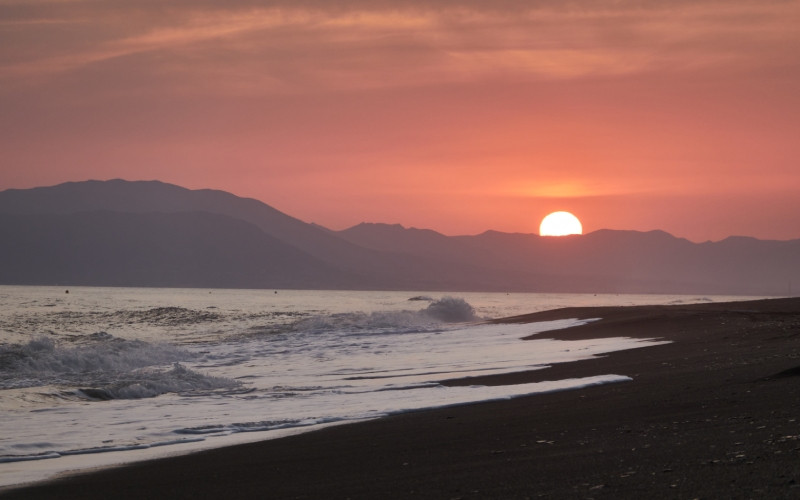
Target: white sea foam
{"x": 107, "y": 368}
{"x": 41, "y": 356}
{"x": 154, "y": 382}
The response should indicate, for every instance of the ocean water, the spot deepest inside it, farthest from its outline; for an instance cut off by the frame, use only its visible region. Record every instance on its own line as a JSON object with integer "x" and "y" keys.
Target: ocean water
{"x": 98, "y": 376}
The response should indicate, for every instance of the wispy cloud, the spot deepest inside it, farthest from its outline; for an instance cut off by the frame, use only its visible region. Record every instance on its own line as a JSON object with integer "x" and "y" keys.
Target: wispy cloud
{"x": 412, "y": 101}
{"x": 362, "y": 45}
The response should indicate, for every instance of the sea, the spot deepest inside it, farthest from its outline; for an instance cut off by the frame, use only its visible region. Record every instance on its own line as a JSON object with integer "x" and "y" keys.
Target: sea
{"x": 93, "y": 377}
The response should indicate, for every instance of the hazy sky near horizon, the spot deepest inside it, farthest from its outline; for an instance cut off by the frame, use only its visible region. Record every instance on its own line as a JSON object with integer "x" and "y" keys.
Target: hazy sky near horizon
{"x": 459, "y": 116}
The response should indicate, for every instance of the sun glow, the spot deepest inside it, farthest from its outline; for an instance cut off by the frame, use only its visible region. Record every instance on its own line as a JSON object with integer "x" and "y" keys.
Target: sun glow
{"x": 560, "y": 224}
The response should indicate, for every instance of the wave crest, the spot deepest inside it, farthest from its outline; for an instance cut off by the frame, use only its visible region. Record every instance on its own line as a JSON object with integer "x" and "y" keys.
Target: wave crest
{"x": 111, "y": 368}
{"x": 152, "y": 383}
{"x": 42, "y": 358}
{"x": 451, "y": 310}
{"x": 438, "y": 312}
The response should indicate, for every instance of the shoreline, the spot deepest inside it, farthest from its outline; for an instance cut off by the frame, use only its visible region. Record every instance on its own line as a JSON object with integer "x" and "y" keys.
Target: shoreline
{"x": 711, "y": 414}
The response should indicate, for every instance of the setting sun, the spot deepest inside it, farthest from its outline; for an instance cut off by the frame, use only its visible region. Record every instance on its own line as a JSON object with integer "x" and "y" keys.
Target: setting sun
{"x": 560, "y": 224}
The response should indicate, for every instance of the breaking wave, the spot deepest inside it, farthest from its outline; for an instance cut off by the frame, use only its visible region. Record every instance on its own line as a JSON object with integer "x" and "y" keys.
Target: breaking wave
{"x": 451, "y": 310}
{"x": 151, "y": 383}
{"x": 439, "y": 312}
{"x": 106, "y": 368}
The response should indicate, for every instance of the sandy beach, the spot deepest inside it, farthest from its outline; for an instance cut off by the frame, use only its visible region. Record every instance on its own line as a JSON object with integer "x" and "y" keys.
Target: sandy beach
{"x": 713, "y": 414}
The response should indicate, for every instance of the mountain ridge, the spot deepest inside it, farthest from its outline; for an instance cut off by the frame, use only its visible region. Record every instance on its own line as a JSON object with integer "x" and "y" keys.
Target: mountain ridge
{"x": 263, "y": 247}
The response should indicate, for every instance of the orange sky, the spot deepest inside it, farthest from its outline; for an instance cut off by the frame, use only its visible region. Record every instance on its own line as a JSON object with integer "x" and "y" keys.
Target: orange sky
{"x": 674, "y": 115}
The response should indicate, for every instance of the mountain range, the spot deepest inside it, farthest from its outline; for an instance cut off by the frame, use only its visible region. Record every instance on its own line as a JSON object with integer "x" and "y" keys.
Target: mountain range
{"x": 149, "y": 233}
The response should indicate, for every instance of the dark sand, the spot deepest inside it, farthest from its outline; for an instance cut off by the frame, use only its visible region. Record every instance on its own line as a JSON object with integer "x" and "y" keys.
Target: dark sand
{"x": 715, "y": 414}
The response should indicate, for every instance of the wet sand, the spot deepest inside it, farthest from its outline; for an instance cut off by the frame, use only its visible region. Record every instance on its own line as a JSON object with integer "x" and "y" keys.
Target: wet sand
{"x": 714, "y": 414}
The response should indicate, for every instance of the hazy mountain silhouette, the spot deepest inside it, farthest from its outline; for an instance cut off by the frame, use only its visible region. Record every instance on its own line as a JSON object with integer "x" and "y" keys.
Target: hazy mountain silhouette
{"x": 191, "y": 249}
{"x": 154, "y": 196}
{"x": 607, "y": 260}
{"x": 368, "y": 268}
{"x": 148, "y": 233}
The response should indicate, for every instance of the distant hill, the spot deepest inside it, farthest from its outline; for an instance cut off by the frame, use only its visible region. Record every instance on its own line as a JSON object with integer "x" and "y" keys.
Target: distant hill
{"x": 191, "y": 249}
{"x": 606, "y": 260}
{"x": 149, "y": 233}
{"x": 356, "y": 265}
{"x": 158, "y": 197}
